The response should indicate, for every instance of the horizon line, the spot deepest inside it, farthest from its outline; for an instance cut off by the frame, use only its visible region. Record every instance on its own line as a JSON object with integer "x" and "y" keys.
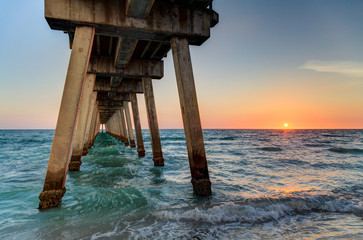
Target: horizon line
{"x": 210, "y": 129}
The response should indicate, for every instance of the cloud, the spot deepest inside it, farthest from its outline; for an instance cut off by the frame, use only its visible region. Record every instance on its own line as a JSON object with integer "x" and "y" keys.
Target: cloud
{"x": 351, "y": 69}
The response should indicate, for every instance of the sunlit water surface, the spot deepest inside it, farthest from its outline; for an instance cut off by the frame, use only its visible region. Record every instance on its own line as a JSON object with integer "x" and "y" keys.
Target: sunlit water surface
{"x": 267, "y": 184}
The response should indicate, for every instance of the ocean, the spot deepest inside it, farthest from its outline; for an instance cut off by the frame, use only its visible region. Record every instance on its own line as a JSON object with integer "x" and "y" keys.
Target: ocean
{"x": 267, "y": 184}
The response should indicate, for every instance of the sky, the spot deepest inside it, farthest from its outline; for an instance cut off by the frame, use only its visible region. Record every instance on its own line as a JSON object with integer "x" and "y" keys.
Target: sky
{"x": 266, "y": 63}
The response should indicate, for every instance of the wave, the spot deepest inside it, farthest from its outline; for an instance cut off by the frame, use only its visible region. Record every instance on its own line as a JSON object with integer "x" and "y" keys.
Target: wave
{"x": 31, "y": 140}
{"x": 260, "y": 211}
{"x": 264, "y": 140}
{"x": 284, "y": 161}
{"x": 331, "y": 135}
{"x": 174, "y": 138}
{"x": 314, "y": 145}
{"x": 271, "y": 149}
{"x": 346, "y": 150}
{"x": 228, "y": 138}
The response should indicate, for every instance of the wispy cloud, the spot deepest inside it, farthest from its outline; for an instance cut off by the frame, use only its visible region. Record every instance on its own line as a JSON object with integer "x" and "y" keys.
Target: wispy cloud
{"x": 351, "y": 69}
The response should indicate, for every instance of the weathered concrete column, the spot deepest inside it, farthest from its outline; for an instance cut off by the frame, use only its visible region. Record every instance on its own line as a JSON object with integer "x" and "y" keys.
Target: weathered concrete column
{"x": 116, "y": 127}
{"x": 191, "y": 118}
{"x": 76, "y": 161}
{"x": 138, "y": 131}
{"x": 119, "y": 127}
{"x": 113, "y": 126}
{"x": 123, "y": 125}
{"x": 93, "y": 125}
{"x": 92, "y": 106}
{"x": 129, "y": 125}
{"x": 107, "y": 128}
{"x": 54, "y": 189}
{"x": 97, "y": 129}
{"x": 153, "y": 121}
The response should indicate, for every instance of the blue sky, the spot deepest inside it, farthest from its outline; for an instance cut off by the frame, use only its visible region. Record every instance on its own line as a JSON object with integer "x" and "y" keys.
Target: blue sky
{"x": 267, "y": 62}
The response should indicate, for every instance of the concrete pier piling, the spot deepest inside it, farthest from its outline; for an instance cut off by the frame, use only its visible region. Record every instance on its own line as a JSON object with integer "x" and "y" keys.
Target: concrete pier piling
{"x": 79, "y": 138}
{"x": 191, "y": 118}
{"x": 129, "y": 125}
{"x": 138, "y": 132}
{"x": 119, "y": 126}
{"x": 54, "y": 189}
{"x": 123, "y": 125}
{"x": 153, "y": 121}
{"x": 117, "y": 49}
{"x": 92, "y": 106}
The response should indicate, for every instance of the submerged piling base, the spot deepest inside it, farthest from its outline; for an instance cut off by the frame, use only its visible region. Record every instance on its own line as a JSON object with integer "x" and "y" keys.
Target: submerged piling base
{"x": 202, "y": 187}
{"x": 85, "y": 152}
{"x": 132, "y": 144}
{"x": 141, "y": 152}
{"x": 75, "y": 163}
{"x": 158, "y": 161}
{"x": 51, "y": 198}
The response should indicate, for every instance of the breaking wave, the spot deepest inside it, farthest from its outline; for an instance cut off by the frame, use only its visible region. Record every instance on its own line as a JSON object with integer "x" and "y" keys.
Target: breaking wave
{"x": 264, "y": 211}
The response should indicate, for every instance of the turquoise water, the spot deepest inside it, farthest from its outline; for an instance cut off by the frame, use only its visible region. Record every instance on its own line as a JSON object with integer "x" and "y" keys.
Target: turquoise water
{"x": 267, "y": 184}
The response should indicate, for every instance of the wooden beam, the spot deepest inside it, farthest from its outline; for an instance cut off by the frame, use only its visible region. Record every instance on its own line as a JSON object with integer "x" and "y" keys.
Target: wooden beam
{"x": 115, "y": 81}
{"x": 156, "y": 50}
{"x": 104, "y": 67}
{"x": 108, "y": 108}
{"x": 126, "y": 86}
{"x": 110, "y": 46}
{"x": 111, "y": 94}
{"x": 98, "y": 44}
{"x": 125, "y": 49}
{"x": 138, "y": 8}
{"x": 118, "y": 97}
{"x": 126, "y": 46}
{"x": 111, "y": 103}
{"x": 110, "y": 19}
{"x": 145, "y": 49}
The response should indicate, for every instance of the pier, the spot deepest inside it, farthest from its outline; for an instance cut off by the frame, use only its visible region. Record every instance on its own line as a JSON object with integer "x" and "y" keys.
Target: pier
{"x": 118, "y": 48}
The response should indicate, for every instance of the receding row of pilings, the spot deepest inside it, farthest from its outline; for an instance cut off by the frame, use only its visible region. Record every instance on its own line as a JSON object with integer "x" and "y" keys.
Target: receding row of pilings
{"x": 145, "y": 30}
{"x": 116, "y": 126}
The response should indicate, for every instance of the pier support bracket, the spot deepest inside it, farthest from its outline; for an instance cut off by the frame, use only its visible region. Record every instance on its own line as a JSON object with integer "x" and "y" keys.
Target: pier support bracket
{"x": 191, "y": 119}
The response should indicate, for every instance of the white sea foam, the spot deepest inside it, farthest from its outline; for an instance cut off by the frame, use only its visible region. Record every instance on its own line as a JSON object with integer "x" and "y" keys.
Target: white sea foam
{"x": 267, "y": 211}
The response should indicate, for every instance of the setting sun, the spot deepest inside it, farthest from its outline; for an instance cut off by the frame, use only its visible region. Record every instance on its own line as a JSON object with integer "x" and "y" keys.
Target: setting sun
{"x": 286, "y": 125}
